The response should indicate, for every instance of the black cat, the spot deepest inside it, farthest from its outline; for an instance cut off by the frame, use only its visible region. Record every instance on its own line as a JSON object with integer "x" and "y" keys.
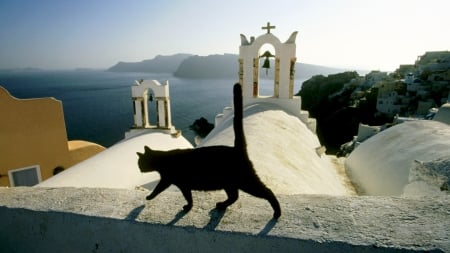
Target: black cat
{"x": 210, "y": 168}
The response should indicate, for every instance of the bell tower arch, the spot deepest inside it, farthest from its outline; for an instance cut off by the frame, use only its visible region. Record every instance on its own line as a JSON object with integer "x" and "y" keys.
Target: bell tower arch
{"x": 140, "y": 94}
{"x": 142, "y": 91}
{"x": 284, "y": 73}
{"x": 284, "y": 58}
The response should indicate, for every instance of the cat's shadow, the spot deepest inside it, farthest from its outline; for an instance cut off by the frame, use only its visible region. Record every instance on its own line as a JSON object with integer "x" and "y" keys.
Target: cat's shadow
{"x": 177, "y": 217}
{"x": 135, "y": 213}
{"x": 216, "y": 216}
{"x": 268, "y": 227}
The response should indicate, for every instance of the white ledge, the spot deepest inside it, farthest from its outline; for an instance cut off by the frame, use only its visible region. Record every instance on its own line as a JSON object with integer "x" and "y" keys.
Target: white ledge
{"x": 112, "y": 220}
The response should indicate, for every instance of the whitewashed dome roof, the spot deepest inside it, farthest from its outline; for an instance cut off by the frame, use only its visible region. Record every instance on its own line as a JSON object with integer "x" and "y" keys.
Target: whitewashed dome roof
{"x": 443, "y": 114}
{"x": 116, "y": 167}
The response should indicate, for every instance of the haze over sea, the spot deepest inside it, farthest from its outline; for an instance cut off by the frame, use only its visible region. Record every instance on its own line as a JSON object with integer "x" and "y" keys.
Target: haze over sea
{"x": 98, "y": 107}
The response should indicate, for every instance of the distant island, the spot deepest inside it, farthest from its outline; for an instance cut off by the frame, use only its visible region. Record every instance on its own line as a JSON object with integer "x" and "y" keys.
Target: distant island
{"x": 159, "y": 64}
{"x": 211, "y": 66}
{"x": 20, "y": 70}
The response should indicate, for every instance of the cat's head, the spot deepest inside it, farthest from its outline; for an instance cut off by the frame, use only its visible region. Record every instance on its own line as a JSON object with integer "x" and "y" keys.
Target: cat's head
{"x": 144, "y": 160}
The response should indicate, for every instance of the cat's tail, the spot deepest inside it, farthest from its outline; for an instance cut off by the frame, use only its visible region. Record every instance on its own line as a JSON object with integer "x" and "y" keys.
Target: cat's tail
{"x": 239, "y": 137}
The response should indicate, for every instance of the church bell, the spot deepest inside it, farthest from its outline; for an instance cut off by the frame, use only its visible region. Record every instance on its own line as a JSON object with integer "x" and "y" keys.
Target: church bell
{"x": 266, "y": 64}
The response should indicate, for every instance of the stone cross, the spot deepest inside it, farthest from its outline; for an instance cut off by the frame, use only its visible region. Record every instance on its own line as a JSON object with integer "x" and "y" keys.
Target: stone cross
{"x": 268, "y": 27}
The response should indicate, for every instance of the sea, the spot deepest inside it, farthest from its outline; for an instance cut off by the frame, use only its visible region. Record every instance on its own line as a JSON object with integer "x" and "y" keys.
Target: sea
{"x": 98, "y": 107}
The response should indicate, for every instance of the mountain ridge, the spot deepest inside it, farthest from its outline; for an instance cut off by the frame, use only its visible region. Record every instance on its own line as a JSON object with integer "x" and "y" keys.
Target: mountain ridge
{"x": 159, "y": 64}
{"x": 211, "y": 66}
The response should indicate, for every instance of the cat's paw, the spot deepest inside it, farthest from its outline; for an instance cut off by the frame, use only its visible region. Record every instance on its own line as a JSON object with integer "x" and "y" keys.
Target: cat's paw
{"x": 276, "y": 215}
{"x": 149, "y": 197}
{"x": 221, "y": 206}
{"x": 187, "y": 208}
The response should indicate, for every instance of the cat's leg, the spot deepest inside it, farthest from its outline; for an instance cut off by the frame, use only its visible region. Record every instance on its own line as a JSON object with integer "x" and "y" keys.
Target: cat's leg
{"x": 261, "y": 191}
{"x": 188, "y": 196}
{"x": 162, "y": 185}
{"x": 275, "y": 205}
{"x": 233, "y": 195}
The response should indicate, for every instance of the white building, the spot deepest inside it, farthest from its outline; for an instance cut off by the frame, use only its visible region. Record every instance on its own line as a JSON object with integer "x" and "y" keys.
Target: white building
{"x": 281, "y": 139}
{"x": 116, "y": 167}
{"x": 388, "y": 103}
{"x": 374, "y": 77}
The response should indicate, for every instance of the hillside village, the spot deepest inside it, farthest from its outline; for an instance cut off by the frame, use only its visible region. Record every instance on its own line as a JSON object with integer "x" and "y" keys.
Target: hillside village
{"x": 411, "y": 90}
{"x": 341, "y": 102}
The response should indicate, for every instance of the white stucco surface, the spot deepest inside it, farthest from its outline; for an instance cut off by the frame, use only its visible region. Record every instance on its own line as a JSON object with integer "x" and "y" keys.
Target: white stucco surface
{"x": 281, "y": 147}
{"x": 116, "y": 167}
{"x": 382, "y": 165}
{"x": 443, "y": 114}
{"x": 283, "y": 151}
{"x": 119, "y": 220}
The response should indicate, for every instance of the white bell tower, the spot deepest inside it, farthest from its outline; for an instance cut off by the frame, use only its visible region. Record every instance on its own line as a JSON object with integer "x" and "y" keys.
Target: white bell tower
{"x": 283, "y": 86}
{"x": 285, "y": 59}
{"x": 140, "y": 93}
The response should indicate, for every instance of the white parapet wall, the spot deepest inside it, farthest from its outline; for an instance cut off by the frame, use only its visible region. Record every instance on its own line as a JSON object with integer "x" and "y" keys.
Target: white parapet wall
{"x": 119, "y": 220}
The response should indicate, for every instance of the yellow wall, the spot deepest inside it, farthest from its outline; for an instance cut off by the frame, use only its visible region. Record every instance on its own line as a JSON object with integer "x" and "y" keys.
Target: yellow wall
{"x": 82, "y": 150}
{"x": 32, "y": 132}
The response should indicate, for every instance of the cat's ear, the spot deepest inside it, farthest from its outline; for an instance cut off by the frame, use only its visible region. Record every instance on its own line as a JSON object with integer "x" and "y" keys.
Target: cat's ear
{"x": 147, "y": 149}
{"x": 139, "y": 154}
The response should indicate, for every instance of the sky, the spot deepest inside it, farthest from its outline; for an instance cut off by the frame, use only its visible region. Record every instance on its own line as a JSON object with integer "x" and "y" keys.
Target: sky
{"x": 360, "y": 34}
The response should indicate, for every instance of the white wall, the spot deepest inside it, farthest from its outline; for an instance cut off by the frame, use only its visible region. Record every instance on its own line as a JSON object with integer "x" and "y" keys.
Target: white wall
{"x": 114, "y": 220}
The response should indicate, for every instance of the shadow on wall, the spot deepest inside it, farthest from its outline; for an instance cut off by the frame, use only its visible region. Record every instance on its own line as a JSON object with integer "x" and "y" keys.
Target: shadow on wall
{"x": 215, "y": 214}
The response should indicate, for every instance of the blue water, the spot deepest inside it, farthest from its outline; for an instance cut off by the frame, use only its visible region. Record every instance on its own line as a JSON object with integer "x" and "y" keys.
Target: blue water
{"x": 98, "y": 107}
